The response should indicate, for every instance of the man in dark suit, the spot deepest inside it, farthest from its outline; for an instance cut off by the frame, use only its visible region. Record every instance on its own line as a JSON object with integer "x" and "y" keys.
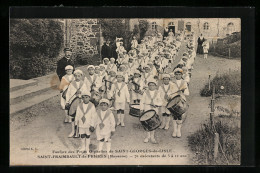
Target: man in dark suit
{"x": 106, "y": 50}
{"x": 63, "y": 62}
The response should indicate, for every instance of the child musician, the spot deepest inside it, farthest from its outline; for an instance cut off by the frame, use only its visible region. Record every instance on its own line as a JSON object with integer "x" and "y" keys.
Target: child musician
{"x": 74, "y": 90}
{"x": 151, "y": 100}
{"x": 120, "y": 94}
{"x": 147, "y": 76}
{"x": 105, "y": 125}
{"x": 111, "y": 65}
{"x": 123, "y": 69}
{"x": 131, "y": 66}
{"x": 180, "y": 88}
{"x": 97, "y": 70}
{"x": 65, "y": 81}
{"x": 165, "y": 90}
{"x": 85, "y": 114}
{"x": 103, "y": 73}
{"x": 106, "y": 62}
{"x": 136, "y": 87}
{"x": 92, "y": 81}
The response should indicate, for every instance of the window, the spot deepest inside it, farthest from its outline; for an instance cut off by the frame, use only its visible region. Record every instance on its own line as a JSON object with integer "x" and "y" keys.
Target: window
{"x": 171, "y": 24}
{"x": 154, "y": 26}
{"x": 206, "y": 26}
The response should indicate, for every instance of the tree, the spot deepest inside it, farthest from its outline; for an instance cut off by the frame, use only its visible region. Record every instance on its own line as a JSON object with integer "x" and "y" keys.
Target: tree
{"x": 34, "y": 46}
{"x": 112, "y": 28}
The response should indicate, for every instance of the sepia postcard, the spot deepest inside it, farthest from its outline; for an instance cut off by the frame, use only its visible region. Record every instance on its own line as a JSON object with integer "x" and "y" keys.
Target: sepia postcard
{"x": 125, "y": 91}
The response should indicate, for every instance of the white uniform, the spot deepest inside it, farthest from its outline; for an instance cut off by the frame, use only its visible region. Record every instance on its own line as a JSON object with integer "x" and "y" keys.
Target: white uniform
{"x": 165, "y": 90}
{"x": 111, "y": 67}
{"x": 147, "y": 77}
{"x": 85, "y": 117}
{"x": 131, "y": 67}
{"x": 65, "y": 81}
{"x": 145, "y": 60}
{"x": 180, "y": 85}
{"x": 134, "y": 94}
{"x": 134, "y": 43}
{"x": 148, "y": 98}
{"x": 121, "y": 94}
{"x": 106, "y": 118}
{"x": 72, "y": 89}
{"x": 93, "y": 81}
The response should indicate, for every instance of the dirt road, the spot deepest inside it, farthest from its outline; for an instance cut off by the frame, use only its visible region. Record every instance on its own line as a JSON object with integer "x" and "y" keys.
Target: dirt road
{"x": 40, "y": 130}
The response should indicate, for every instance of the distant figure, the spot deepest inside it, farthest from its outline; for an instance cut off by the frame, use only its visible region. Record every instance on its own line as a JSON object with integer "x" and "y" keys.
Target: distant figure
{"x": 166, "y": 31}
{"x": 134, "y": 42}
{"x": 205, "y": 46}
{"x": 201, "y": 39}
{"x": 106, "y": 50}
{"x": 63, "y": 62}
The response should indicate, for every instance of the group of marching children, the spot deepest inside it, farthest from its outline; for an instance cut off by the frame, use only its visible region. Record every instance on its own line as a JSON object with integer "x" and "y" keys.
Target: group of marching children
{"x": 145, "y": 75}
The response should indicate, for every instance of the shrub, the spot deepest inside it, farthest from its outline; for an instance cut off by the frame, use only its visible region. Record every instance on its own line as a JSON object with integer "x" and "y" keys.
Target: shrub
{"x": 231, "y": 82}
{"x": 222, "y": 49}
{"x": 85, "y": 59}
{"x": 34, "y": 46}
{"x": 202, "y": 141}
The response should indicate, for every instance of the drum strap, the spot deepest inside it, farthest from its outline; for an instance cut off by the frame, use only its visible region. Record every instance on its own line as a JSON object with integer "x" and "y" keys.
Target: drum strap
{"x": 105, "y": 117}
{"x": 165, "y": 92}
{"x": 119, "y": 92}
{"x": 84, "y": 113}
{"x": 75, "y": 85}
{"x": 181, "y": 85}
{"x": 149, "y": 95}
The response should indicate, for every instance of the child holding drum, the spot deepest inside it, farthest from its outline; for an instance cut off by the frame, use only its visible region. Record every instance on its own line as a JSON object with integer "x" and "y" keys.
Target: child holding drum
{"x": 136, "y": 87}
{"x": 180, "y": 88}
{"x": 150, "y": 102}
{"x": 165, "y": 90}
{"x": 73, "y": 97}
{"x": 65, "y": 81}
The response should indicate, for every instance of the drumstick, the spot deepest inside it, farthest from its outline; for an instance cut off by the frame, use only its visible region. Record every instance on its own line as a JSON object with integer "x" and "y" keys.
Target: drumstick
{"x": 178, "y": 91}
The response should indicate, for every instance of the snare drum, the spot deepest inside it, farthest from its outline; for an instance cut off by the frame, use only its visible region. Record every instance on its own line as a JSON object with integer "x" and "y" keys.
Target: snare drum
{"x": 135, "y": 110}
{"x": 150, "y": 120}
{"x": 73, "y": 107}
{"x": 177, "y": 105}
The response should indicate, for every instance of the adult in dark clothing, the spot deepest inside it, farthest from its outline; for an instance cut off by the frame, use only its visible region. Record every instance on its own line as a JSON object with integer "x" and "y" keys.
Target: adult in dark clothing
{"x": 63, "y": 62}
{"x": 165, "y": 33}
{"x": 106, "y": 50}
{"x": 201, "y": 39}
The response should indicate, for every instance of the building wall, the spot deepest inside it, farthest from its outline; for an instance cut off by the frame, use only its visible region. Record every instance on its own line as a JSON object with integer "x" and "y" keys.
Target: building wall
{"x": 218, "y": 27}
{"x": 83, "y": 36}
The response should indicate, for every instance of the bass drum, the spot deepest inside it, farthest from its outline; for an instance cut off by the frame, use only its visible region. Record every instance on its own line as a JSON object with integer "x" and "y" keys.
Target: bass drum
{"x": 73, "y": 107}
{"x": 150, "y": 120}
{"x": 177, "y": 105}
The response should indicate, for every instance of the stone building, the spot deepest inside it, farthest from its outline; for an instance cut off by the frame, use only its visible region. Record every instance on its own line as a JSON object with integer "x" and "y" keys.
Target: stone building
{"x": 82, "y": 36}
{"x": 212, "y": 28}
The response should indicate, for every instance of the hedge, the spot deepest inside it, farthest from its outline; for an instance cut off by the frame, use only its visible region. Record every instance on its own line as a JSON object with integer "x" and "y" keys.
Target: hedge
{"x": 222, "y": 49}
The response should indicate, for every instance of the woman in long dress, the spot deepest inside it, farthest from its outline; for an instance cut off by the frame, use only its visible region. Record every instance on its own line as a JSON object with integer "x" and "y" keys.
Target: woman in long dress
{"x": 200, "y": 42}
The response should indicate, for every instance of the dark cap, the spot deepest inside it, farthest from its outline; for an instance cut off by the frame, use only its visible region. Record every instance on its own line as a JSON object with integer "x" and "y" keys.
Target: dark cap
{"x": 67, "y": 49}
